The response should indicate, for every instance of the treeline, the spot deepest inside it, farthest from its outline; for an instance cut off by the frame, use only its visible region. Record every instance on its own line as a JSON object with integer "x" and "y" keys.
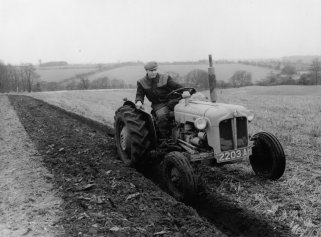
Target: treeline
{"x": 198, "y": 79}
{"x": 53, "y": 64}
{"x": 18, "y": 78}
{"x": 290, "y": 75}
{"x": 299, "y": 63}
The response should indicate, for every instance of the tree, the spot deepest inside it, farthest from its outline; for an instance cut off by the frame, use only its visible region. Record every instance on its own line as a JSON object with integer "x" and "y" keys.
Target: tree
{"x": 288, "y": 80}
{"x": 100, "y": 83}
{"x": 305, "y": 79}
{"x": 315, "y": 68}
{"x": 197, "y": 78}
{"x": 175, "y": 76}
{"x": 72, "y": 85}
{"x": 28, "y": 75}
{"x": 116, "y": 83}
{"x": 241, "y": 78}
{"x": 288, "y": 70}
{"x": 37, "y": 86}
{"x": 51, "y": 86}
{"x": 14, "y": 75}
{"x": 3, "y": 77}
{"x": 84, "y": 83}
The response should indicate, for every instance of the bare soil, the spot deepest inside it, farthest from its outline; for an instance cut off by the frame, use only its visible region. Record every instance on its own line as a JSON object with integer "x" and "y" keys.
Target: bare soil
{"x": 29, "y": 206}
{"x": 102, "y": 197}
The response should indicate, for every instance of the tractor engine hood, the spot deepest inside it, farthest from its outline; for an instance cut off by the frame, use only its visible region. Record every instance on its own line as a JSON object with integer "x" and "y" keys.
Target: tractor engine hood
{"x": 214, "y": 112}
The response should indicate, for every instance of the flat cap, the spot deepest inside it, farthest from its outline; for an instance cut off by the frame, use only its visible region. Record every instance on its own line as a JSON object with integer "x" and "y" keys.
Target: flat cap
{"x": 150, "y": 66}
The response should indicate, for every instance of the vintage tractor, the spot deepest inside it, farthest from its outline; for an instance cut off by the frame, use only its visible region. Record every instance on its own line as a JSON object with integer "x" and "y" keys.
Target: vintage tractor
{"x": 201, "y": 130}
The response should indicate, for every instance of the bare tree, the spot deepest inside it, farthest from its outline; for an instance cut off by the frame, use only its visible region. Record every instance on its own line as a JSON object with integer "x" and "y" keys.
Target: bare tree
{"x": 28, "y": 75}
{"x": 241, "y": 78}
{"x": 14, "y": 77}
{"x": 197, "y": 78}
{"x": 84, "y": 83}
{"x": 3, "y": 77}
{"x": 315, "y": 68}
{"x": 17, "y": 78}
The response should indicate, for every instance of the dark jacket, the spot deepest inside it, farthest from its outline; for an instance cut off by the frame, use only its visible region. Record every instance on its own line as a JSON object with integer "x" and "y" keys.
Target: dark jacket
{"x": 155, "y": 89}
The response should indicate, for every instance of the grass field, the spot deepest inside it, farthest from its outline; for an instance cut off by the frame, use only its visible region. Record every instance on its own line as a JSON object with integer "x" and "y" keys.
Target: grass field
{"x": 56, "y": 74}
{"x": 292, "y": 113}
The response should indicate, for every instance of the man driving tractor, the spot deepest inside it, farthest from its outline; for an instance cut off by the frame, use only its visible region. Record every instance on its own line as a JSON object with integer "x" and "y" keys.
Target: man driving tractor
{"x": 217, "y": 133}
{"x": 156, "y": 86}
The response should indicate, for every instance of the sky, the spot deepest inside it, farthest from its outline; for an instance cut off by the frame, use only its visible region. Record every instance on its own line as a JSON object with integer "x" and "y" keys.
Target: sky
{"x": 106, "y": 31}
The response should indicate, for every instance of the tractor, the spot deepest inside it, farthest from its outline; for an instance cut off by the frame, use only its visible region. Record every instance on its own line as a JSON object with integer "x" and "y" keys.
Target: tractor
{"x": 201, "y": 130}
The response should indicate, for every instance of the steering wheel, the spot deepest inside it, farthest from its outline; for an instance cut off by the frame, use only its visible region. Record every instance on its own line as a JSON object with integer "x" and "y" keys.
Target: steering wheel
{"x": 177, "y": 94}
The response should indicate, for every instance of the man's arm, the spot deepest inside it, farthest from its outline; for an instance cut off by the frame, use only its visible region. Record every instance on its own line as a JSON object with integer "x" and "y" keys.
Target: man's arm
{"x": 172, "y": 84}
{"x": 140, "y": 93}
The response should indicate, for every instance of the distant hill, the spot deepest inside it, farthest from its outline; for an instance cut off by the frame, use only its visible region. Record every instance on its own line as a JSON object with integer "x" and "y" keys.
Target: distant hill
{"x": 54, "y": 64}
{"x": 130, "y": 74}
{"x": 307, "y": 59}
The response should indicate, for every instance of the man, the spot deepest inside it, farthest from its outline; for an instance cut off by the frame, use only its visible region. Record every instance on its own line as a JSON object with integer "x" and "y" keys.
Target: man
{"x": 156, "y": 86}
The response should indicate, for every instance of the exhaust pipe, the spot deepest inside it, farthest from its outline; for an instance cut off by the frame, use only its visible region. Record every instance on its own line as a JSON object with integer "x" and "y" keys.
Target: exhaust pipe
{"x": 212, "y": 79}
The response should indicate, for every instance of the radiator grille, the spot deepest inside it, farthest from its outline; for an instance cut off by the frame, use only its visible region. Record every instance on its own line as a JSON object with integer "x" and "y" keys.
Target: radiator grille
{"x": 228, "y": 128}
{"x": 242, "y": 138}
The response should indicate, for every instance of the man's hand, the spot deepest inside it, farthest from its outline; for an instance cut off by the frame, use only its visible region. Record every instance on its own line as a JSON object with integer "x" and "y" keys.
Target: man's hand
{"x": 139, "y": 105}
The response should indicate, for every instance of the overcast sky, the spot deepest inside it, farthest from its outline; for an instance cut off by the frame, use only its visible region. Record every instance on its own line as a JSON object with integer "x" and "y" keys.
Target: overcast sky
{"x": 102, "y": 31}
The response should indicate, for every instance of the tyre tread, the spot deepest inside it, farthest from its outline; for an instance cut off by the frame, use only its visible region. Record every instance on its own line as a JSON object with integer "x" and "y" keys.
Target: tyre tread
{"x": 277, "y": 151}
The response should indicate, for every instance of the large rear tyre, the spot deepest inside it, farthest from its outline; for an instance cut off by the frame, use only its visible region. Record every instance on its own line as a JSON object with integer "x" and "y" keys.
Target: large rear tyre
{"x": 178, "y": 177}
{"x": 131, "y": 135}
{"x": 268, "y": 158}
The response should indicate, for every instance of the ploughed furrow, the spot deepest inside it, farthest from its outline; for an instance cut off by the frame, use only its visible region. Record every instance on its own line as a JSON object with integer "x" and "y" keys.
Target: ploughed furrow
{"x": 104, "y": 197}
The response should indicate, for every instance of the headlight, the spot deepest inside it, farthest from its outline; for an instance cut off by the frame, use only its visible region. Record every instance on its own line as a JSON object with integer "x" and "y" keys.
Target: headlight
{"x": 250, "y": 116}
{"x": 201, "y": 123}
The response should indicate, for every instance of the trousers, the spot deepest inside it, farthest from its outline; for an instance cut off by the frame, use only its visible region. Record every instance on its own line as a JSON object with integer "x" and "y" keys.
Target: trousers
{"x": 162, "y": 121}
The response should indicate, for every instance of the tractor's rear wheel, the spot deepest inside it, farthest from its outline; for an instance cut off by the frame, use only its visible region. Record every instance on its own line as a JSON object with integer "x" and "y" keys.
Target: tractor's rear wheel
{"x": 178, "y": 177}
{"x": 131, "y": 135}
{"x": 268, "y": 158}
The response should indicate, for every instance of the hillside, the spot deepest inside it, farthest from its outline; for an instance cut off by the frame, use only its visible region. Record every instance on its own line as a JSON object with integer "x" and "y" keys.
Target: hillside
{"x": 130, "y": 74}
{"x": 56, "y": 74}
{"x": 307, "y": 59}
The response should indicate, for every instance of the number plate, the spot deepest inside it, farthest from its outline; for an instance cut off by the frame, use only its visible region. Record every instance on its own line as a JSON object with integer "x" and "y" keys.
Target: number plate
{"x": 233, "y": 155}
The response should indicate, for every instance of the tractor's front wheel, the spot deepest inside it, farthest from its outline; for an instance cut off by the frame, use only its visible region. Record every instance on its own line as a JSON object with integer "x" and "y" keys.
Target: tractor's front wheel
{"x": 131, "y": 135}
{"x": 178, "y": 177}
{"x": 268, "y": 158}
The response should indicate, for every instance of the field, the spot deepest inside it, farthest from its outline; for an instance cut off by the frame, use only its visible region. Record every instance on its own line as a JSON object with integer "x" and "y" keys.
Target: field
{"x": 56, "y": 74}
{"x": 131, "y": 74}
{"x": 292, "y": 113}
